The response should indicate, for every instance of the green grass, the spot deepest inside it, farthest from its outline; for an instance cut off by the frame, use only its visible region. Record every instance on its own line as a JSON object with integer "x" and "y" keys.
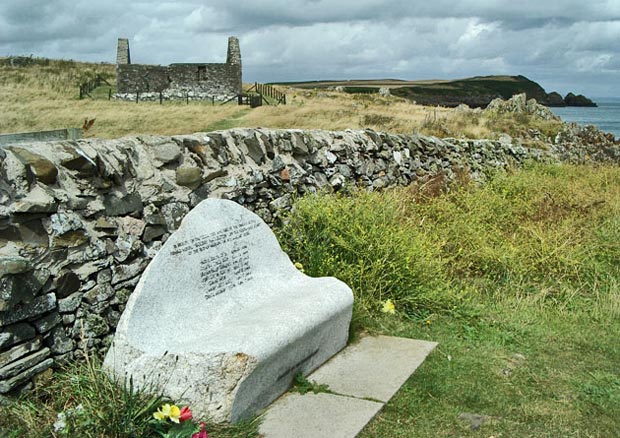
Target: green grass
{"x": 517, "y": 280}
{"x": 234, "y": 121}
{"x": 95, "y": 407}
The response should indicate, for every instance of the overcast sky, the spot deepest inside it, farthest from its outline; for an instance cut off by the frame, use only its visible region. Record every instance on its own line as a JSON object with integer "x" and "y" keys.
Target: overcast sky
{"x": 569, "y": 45}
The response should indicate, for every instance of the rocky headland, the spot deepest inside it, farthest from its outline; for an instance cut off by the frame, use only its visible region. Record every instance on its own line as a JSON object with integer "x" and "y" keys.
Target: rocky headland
{"x": 476, "y": 92}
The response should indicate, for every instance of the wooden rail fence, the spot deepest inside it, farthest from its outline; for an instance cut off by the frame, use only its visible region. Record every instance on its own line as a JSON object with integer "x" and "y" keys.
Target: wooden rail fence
{"x": 89, "y": 86}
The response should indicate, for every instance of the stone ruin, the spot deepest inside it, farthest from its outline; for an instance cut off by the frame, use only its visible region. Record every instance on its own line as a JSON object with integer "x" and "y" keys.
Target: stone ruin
{"x": 187, "y": 81}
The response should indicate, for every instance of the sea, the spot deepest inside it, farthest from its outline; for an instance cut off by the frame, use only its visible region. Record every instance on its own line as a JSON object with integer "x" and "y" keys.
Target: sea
{"x": 606, "y": 116}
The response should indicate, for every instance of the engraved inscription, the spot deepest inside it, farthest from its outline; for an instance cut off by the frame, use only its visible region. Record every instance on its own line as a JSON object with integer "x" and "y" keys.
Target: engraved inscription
{"x": 228, "y": 268}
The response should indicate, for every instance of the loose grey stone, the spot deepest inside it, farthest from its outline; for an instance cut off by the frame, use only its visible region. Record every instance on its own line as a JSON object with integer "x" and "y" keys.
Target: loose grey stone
{"x": 38, "y": 306}
{"x": 38, "y": 200}
{"x": 14, "y": 265}
{"x": 95, "y": 326}
{"x": 13, "y": 383}
{"x": 122, "y": 273}
{"x": 68, "y": 319}
{"x": 121, "y": 204}
{"x": 66, "y": 284}
{"x": 42, "y": 168}
{"x": 59, "y": 342}
{"x": 48, "y": 322}
{"x": 88, "y": 285}
{"x": 152, "y": 232}
{"x": 277, "y": 164}
{"x": 223, "y": 281}
{"x": 174, "y": 213}
{"x": 337, "y": 181}
{"x": 165, "y": 153}
{"x": 281, "y": 203}
{"x": 99, "y": 293}
{"x": 63, "y": 222}
{"x": 17, "y": 289}
{"x": 105, "y": 224}
{"x": 132, "y": 226}
{"x": 122, "y": 295}
{"x": 127, "y": 246}
{"x": 71, "y": 239}
{"x": 255, "y": 151}
{"x": 19, "y": 351}
{"x": 112, "y": 317}
{"x": 23, "y": 364}
{"x": 152, "y": 216}
{"x": 15, "y": 334}
{"x": 104, "y": 276}
{"x": 189, "y": 176}
{"x": 69, "y": 304}
{"x": 80, "y": 162}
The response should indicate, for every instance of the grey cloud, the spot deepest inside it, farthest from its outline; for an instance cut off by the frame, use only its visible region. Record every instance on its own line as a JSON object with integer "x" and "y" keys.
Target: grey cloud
{"x": 556, "y": 42}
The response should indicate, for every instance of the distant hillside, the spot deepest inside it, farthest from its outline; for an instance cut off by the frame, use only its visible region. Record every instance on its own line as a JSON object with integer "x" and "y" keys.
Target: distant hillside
{"x": 478, "y": 91}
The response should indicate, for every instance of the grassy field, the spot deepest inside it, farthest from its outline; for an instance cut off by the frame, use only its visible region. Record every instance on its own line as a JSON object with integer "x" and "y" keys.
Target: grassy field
{"x": 45, "y": 96}
{"x": 518, "y": 281}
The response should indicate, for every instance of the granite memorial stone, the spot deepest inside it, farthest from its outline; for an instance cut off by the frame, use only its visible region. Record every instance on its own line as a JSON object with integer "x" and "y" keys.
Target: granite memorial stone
{"x": 222, "y": 320}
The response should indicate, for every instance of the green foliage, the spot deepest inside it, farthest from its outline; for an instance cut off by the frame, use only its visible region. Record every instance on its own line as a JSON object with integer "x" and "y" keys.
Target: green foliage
{"x": 549, "y": 232}
{"x": 361, "y": 90}
{"x": 517, "y": 279}
{"x": 303, "y": 386}
{"x": 520, "y": 125}
{"x": 364, "y": 240}
{"x": 91, "y": 405}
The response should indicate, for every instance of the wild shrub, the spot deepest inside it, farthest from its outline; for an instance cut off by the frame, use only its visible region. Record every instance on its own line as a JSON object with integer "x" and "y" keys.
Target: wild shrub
{"x": 550, "y": 230}
{"x": 364, "y": 241}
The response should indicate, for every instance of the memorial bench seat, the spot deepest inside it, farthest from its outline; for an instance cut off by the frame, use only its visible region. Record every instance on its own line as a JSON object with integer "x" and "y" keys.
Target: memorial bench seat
{"x": 221, "y": 320}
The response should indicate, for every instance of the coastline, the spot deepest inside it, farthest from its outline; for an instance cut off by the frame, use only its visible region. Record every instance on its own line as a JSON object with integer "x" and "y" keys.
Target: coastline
{"x": 606, "y": 116}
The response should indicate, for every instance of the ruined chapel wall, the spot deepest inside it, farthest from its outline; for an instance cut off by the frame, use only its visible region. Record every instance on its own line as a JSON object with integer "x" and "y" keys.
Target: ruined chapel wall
{"x": 140, "y": 77}
{"x": 221, "y": 81}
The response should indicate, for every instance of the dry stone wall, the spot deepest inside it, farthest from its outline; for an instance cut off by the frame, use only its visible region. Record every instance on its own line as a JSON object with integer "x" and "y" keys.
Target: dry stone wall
{"x": 80, "y": 220}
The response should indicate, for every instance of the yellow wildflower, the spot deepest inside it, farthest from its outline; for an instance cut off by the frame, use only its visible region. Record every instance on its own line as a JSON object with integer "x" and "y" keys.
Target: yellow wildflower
{"x": 168, "y": 411}
{"x": 388, "y": 307}
{"x": 175, "y": 413}
{"x": 299, "y": 266}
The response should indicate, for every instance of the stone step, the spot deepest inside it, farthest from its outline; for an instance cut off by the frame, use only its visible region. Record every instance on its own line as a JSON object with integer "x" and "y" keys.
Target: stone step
{"x": 361, "y": 379}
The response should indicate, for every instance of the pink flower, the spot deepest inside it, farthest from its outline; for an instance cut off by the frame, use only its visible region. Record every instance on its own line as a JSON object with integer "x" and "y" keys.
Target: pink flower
{"x": 186, "y": 414}
{"x": 202, "y": 433}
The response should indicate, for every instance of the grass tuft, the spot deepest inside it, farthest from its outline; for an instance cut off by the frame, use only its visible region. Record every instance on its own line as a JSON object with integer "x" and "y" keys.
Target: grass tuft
{"x": 93, "y": 405}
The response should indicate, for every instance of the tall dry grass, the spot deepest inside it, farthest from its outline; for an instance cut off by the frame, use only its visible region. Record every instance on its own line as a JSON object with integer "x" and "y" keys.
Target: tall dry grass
{"x": 41, "y": 97}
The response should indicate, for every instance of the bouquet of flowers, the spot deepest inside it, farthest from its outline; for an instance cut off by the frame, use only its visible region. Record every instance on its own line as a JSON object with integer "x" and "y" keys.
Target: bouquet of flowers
{"x": 170, "y": 421}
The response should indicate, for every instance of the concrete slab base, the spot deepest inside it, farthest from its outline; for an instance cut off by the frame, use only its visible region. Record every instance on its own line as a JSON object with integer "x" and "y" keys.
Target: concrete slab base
{"x": 362, "y": 378}
{"x": 317, "y": 415}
